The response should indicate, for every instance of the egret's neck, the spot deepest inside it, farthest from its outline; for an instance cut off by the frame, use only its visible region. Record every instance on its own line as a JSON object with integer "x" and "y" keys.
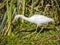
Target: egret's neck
{"x": 25, "y": 18}
{"x": 20, "y": 16}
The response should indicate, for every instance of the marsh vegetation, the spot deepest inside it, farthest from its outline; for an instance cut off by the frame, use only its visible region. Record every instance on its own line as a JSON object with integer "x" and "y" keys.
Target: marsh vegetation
{"x": 12, "y": 34}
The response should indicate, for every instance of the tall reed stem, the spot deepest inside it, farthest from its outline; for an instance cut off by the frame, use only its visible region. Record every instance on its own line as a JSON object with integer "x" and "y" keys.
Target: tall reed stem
{"x": 32, "y": 6}
{"x": 23, "y": 8}
{"x": 9, "y": 14}
{"x": 57, "y": 10}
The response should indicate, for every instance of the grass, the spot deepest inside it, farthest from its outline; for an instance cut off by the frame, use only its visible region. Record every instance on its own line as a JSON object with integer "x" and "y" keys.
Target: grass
{"x": 45, "y": 38}
{"x": 12, "y": 34}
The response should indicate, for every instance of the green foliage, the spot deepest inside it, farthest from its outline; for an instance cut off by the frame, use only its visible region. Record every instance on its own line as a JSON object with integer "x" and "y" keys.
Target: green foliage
{"x": 45, "y": 38}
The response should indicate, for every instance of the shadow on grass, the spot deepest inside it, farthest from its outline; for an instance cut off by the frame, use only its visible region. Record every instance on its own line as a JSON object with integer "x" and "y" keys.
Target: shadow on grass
{"x": 44, "y": 29}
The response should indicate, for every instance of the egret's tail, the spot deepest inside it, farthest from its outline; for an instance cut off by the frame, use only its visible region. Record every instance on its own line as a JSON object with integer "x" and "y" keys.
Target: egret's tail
{"x": 52, "y": 20}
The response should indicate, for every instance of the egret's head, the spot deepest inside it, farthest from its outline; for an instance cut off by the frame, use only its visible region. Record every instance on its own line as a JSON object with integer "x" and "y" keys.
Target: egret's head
{"x": 16, "y": 18}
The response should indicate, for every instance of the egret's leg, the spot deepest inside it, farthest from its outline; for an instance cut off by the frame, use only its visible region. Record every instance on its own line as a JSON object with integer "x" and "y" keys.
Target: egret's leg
{"x": 36, "y": 29}
{"x": 39, "y": 32}
{"x": 31, "y": 33}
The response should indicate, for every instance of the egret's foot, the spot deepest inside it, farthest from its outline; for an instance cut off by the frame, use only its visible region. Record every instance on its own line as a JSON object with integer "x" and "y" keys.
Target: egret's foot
{"x": 30, "y": 35}
{"x": 39, "y": 32}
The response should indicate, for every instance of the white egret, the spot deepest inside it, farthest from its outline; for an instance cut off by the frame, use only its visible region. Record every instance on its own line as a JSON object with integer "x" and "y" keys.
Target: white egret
{"x": 36, "y": 19}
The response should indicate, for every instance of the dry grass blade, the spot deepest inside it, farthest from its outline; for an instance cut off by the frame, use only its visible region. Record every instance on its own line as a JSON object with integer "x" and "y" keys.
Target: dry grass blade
{"x": 2, "y": 24}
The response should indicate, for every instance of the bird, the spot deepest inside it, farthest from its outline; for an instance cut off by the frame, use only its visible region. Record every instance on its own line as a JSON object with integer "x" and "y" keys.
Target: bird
{"x": 37, "y": 19}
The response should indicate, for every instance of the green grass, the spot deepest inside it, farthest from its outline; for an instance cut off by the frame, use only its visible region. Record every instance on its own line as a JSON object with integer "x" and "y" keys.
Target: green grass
{"x": 50, "y": 37}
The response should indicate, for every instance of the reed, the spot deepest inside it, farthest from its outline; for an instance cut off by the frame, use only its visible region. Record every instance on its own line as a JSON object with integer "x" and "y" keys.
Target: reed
{"x": 32, "y": 6}
{"x": 57, "y": 10}
{"x": 9, "y": 17}
{"x": 3, "y": 4}
{"x": 23, "y": 8}
{"x": 2, "y": 23}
